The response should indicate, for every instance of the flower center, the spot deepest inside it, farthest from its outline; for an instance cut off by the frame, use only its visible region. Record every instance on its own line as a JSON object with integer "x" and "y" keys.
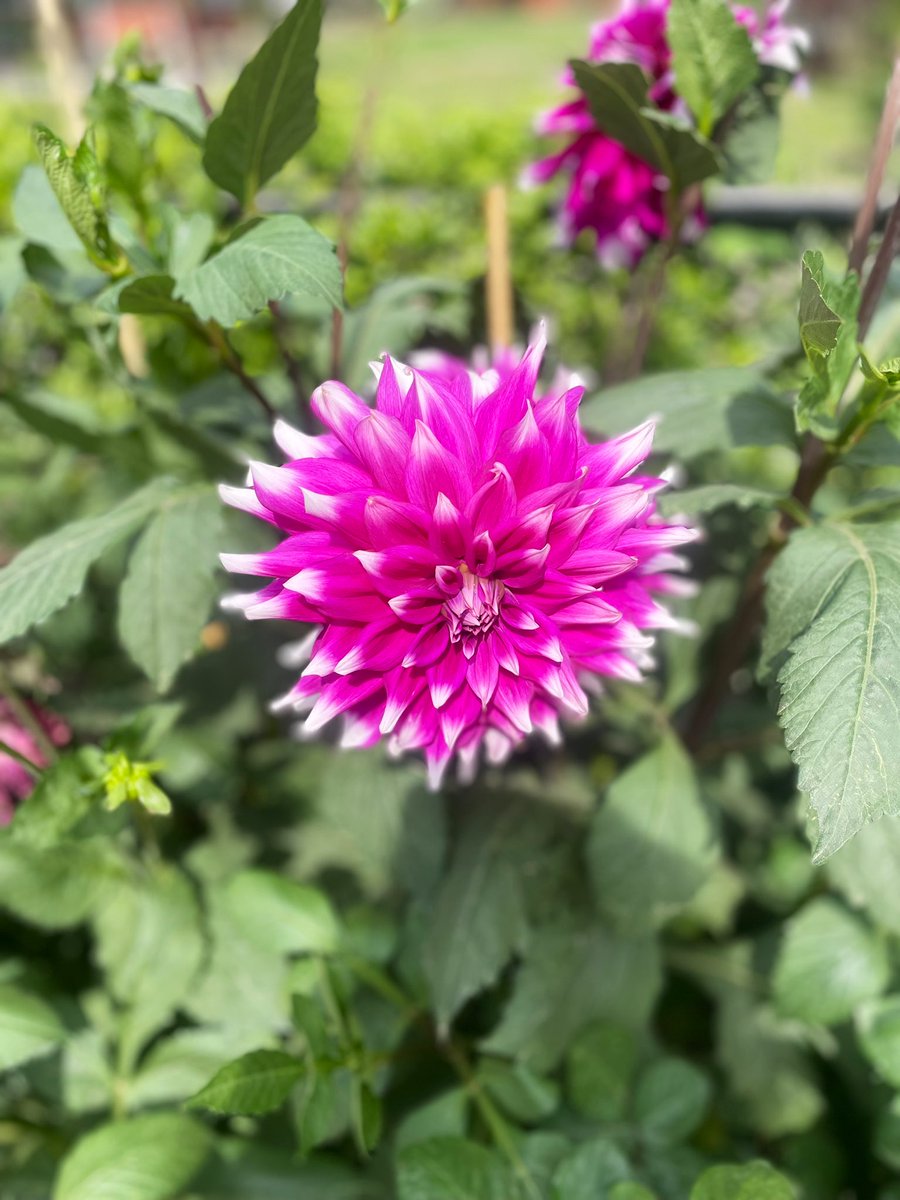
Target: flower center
{"x": 474, "y": 610}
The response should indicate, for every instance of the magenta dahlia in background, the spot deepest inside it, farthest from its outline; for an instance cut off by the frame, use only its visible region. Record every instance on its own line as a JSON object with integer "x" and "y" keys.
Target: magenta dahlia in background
{"x": 610, "y": 190}
{"x": 15, "y": 781}
{"x": 471, "y": 564}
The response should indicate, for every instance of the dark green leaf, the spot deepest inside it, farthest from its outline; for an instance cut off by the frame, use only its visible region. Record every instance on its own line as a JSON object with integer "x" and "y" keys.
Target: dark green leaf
{"x": 711, "y": 496}
{"x": 76, "y": 181}
{"x": 146, "y": 1158}
{"x": 600, "y": 1067}
{"x": 616, "y": 93}
{"x": 651, "y": 844}
{"x": 829, "y": 963}
{"x": 670, "y": 1099}
{"x": 283, "y": 916}
{"x": 526, "y": 1096}
{"x": 256, "y": 1083}
{"x": 49, "y": 572}
{"x": 167, "y": 593}
{"x": 590, "y": 1171}
{"x": 834, "y": 599}
{"x": 29, "y": 1028}
{"x": 753, "y": 1181}
{"x": 878, "y": 1029}
{"x": 272, "y": 258}
{"x": 712, "y": 57}
{"x": 452, "y": 1169}
{"x": 271, "y": 110}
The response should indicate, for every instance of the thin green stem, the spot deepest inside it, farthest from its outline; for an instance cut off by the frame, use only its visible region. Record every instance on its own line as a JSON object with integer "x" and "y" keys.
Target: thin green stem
{"x": 32, "y": 768}
{"x": 493, "y": 1119}
{"x": 217, "y": 338}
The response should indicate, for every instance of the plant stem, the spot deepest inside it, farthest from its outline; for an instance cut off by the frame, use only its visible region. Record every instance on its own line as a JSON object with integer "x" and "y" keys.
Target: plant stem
{"x": 26, "y": 717}
{"x": 32, "y": 768}
{"x": 494, "y": 1120}
{"x": 291, "y": 365}
{"x": 865, "y": 221}
{"x": 217, "y": 338}
{"x": 878, "y": 276}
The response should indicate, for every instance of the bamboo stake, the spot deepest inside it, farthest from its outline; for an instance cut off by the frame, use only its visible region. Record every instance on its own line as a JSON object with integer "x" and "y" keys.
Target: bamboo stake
{"x": 498, "y": 293}
{"x": 64, "y": 71}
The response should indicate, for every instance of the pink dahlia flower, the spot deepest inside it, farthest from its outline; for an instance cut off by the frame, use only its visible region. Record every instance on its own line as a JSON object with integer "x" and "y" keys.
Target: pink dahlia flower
{"x": 610, "y": 190}
{"x": 472, "y": 565}
{"x": 15, "y": 782}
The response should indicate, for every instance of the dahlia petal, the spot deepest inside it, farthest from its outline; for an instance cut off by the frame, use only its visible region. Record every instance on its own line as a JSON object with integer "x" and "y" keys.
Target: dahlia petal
{"x": 383, "y": 445}
{"x": 495, "y": 501}
{"x": 432, "y": 469}
{"x": 337, "y": 696}
{"x": 427, "y": 647}
{"x": 377, "y": 649}
{"x": 525, "y": 453}
{"x": 447, "y": 676}
{"x": 403, "y": 688}
{"x": 247, "y": 501}
{"x": 340, "y": 410}
{"x": 613, "y": 460}
{"x": 297, "y": 444}
{"x": 392, "y": 522}
{"x": 484, "y": 673}
{"x": 451, "y": 533}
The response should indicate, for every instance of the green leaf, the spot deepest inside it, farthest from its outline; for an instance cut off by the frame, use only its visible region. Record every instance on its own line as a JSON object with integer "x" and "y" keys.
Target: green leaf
{"x": 711, "y": 496}
{"x": 267, "y": 260}
{"x": 150, "y": 945}
{"x": 569, "y": 979}
{"x": 670, "y": 1100}
{"x": 828, "y": 333}
{"x": 712, "y": 57}
{"x": 147, "y": 1158}
{"x": 178, "y": 1066}
{"x": 452, "y": 1169}
{"x": 151, "y": 295}
{"x": 478, "y": 918}
{"x": 753, "y": 1181}
{"x": 523, "y": 1094}
{"x": 651, "y": 843}
{"x": 829, "y": 963}
{"x": 256, "y": 1083}
{"x": 65, "y": 795}
{"x": 38, "y": 214}
{"x": 170, "y": 585}
{"x": 49, "y": 572}
{"x": 283, "y": 916}
{"x": 372, "y": 817}
{"x": 695, "y": 411}
{"x": 29, "y": 1028}
{"x": 56, "y": 888}
{"x": 819, "y": 324}
{"x": 866, "y": 869}
{"x": 77, "y": 183}
{"x": 444, "y": 1116}
{"x": 629, "y": 1190}
{"x": 768, "y": 1073}
{"x": 616, "y": 93}
{"x": 271, "y": 110}
{"x": 833, "y": 601}
{"x": 878, "y": 1030}
{"x": 600, "y": 1067}
{"x": 751, "y": 141}
{"x": 178, "y": 105}
{"x": 590, "y": 1171}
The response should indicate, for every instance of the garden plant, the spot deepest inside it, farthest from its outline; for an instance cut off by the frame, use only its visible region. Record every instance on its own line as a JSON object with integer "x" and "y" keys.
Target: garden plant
{"x": 449, "y": 735}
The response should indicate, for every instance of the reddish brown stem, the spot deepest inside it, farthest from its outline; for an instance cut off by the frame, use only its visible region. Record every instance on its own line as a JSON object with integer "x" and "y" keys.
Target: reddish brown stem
{"x": 865, "y": 221}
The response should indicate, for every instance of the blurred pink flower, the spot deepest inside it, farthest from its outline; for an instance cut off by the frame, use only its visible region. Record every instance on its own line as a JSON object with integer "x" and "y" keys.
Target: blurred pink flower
{"x": 610, "y": 190}
{"x": 471, "y": 563}
{"x": 15, "y": 782}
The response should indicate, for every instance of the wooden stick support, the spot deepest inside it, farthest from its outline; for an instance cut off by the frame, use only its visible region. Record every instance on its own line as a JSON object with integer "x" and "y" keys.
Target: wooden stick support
{"x": 865, "y": 221}
{"x": 64, "y": 69}
{"x": 499, "y": 295}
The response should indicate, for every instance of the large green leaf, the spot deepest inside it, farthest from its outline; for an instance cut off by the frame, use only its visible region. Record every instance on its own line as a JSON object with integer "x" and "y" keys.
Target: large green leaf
{"x": 616, "y": 93}
{"x": 39, "y": 216}
{"x": 59, "y": 887}
{"x": 600, "y": 1067}
{"x": 281, "y": 915}
{"x": 29, "y": 1027}
{"x": 695, "y": 411}
{"x": 569, "y": 979}
{"x": 651, "y": 843}
{"x": 829, "y": 963}
{"x": 166, "y": 595}
{"x": 590, "y": 1171}
{"x": 372, "y": 818}
{"x": 712, "y": 57}
{"x": 452, "y": 1169}
{"x": 43, "y": 576}
{"x": 752, "y": 1181}
{"x": 478, "y": 920}
{"x": 866, "y": 869}
{"x": 271, "y": 110}
{"x": 179, "y": 1065}
{"x": 878, "y": 1029}
{"x": 269, "y": 259}
{"x": 670, "y": 1099}
{"x": 255, "y": 1083}
{"x": 147, "y": 1158}
{"x": 834, "y": 601}
{"x": 828, "y": 333}
{"x": 150, "y": 946}
{"x": 819, "y": 324}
